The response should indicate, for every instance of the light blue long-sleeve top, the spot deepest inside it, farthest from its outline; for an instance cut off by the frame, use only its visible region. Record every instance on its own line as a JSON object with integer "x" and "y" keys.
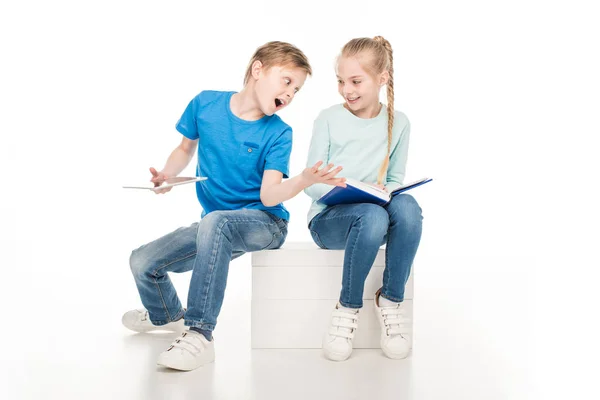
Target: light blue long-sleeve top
{"x": 359, "y": 145}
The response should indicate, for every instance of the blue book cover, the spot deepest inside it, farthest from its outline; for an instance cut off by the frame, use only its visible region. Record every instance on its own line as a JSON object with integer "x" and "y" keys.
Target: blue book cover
{"x": 359, "y": 192}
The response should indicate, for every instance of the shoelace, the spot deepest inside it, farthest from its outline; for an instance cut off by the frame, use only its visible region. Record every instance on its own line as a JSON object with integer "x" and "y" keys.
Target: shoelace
{"x": 394, "y": 320}
{"x": 345, "y": 320}
{"x": 188, "y": 342}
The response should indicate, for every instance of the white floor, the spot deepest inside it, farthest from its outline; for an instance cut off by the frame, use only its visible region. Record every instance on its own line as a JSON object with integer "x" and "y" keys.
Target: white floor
{"x": 68, "y": 344}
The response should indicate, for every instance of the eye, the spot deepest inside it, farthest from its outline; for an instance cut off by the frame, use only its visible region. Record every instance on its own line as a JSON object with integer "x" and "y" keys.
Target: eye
{"x": 340, "y": 81}
{"x": 287, "y": 81}
{"x": 356, "y": 82}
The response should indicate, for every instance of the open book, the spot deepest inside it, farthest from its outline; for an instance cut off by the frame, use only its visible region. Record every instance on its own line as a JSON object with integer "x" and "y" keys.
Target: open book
{"x": 360, "y": 192}
{"x": 178, "y": 180}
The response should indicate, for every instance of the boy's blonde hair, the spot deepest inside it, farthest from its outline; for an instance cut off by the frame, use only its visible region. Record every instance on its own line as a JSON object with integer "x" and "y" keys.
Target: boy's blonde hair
{"x": 278, "y": 54}
{"x": 380, "y": 60}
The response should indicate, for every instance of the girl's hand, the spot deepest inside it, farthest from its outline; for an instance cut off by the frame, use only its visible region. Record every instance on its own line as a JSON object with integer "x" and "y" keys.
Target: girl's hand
{"x": 158, "y": 178}
{"x": 324, "y": 175}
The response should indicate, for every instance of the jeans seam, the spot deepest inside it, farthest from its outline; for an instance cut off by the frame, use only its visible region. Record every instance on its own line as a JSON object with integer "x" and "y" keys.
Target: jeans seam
{"x": 348, "y": 305}
{"x": 162, "y": 299}
{"x": 351, "y": 258}
{"x": 212, "y": 263}
{"x": 387, "y": 269}
{"x": 391, "y": 298}
{"x": 173, "y": 262}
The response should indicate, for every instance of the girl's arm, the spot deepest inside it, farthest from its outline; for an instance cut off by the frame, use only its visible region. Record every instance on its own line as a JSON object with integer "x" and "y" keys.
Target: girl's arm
{"x": 398, "y": 157}
{"x": 318, "y": 151}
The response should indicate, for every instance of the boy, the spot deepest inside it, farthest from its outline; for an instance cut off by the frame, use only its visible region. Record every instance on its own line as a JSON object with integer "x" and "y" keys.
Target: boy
{"x": 244, "y": 150}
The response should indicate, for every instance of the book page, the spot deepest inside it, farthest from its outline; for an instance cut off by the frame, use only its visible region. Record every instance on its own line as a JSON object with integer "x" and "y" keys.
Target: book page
{"x": 365, "y": 187}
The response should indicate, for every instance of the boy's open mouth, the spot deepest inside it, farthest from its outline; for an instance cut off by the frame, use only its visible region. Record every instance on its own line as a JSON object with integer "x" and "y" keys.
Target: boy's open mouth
{"x": 279, "y": 103}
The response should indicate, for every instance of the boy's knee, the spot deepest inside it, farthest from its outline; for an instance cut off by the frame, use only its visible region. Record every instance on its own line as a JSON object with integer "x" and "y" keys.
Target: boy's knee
{"x": 138, "y": 263}
{"x": 212, "y": 224}
{"x": 213, "y": 220}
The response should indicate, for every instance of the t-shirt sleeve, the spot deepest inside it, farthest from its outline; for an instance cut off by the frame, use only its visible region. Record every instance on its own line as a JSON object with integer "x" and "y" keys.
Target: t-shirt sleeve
{"x": 278, "y": 157}
{"x": 187, "y": 123}
{"x": 318, "y": 151}
{"x": 398, "y": 158}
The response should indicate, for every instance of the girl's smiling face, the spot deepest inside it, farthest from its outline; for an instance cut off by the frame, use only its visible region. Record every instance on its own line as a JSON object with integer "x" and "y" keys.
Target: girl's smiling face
{"x": 359, "y": 88}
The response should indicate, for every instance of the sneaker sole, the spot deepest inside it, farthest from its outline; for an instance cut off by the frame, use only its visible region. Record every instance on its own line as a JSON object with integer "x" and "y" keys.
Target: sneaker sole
{"x": 335, "y": 356}
{"x": 207, "y": 358}
{"x": 396, "y": 356}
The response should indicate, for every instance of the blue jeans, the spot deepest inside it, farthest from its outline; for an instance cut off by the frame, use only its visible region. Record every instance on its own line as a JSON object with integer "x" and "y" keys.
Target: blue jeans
{"x": 360, "y": 229}
{"x": 206, "y": 248}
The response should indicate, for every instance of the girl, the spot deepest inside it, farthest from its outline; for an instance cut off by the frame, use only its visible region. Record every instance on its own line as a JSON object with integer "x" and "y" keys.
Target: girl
{"x": 370, "y": 141}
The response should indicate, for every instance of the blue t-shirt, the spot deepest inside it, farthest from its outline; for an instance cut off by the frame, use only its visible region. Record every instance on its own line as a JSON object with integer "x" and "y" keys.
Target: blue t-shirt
{"x": 234, "y": 153}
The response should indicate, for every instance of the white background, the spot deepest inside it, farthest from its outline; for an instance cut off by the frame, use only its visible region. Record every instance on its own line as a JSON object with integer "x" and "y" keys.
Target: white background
{"x": 503, "y": 98}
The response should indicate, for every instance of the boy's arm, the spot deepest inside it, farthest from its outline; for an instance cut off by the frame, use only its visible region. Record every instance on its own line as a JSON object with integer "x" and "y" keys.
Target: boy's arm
{"x": 273, "y": 191}
{"x": 182, "y": 155}
{"x": 179, "y": 159}
{"x": 398, "y": 157}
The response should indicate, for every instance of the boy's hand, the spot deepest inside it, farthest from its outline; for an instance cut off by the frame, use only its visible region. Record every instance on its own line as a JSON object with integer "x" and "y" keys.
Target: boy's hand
{"x": 324, "y": 175}
{"x": 158, "y": 178}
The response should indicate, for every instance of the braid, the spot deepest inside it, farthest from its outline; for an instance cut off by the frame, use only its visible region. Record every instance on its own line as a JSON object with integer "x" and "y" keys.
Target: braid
{"x": 390, "y": 104}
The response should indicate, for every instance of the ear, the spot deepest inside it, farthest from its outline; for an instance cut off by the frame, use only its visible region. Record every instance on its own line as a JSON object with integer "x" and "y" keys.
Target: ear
{"x": 256, "y": 69}
{"x": 384, "y": 78}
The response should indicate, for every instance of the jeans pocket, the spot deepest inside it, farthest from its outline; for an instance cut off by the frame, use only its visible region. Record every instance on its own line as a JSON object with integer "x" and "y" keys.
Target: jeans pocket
{"x": 282, "y": 224}
{"x": 279, "y": 232}
{"x": 276, "y": 241}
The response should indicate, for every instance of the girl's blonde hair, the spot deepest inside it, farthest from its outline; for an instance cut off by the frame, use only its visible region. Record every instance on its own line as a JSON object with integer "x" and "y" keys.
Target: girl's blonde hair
{"x": 278, "y": 54}
{"x": 381, "y": 60}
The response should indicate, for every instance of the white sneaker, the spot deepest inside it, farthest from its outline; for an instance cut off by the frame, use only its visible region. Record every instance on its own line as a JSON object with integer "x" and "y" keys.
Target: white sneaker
{"x": 395, "y": 342}
{"x": 337, "y": 343}
{"x": 138, "y": 321}
{"x": 190, "y": 351}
